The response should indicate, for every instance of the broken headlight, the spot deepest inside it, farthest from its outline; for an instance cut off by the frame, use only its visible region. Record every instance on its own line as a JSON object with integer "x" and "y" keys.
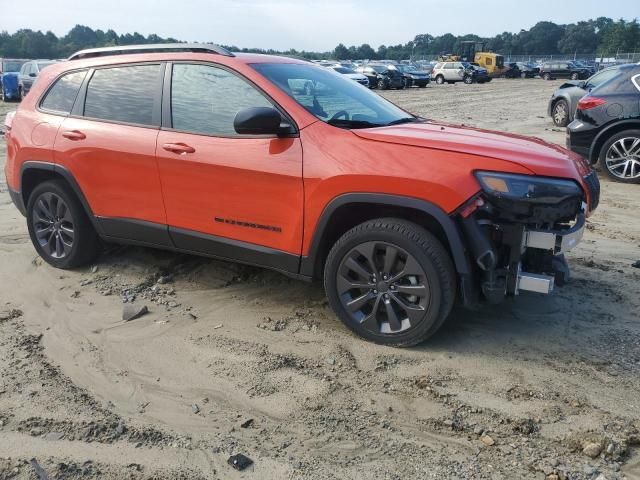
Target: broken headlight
{"x": 527, "y": 188}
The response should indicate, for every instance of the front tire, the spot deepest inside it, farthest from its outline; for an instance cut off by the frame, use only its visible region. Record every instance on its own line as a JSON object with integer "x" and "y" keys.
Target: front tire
{"x": 390, "y": 281}
{"x": 620, "y": 157}
{"x": 440, "y": 80}
{"x": 575, "y": 76}
{"x": 59, "y": 227}
{"x": 547, "y": 76}
{"x": 560, "y": 113}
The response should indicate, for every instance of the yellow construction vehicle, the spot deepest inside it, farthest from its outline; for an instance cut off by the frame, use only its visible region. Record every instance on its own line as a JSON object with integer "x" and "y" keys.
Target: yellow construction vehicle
{"x": 474, "y": 52}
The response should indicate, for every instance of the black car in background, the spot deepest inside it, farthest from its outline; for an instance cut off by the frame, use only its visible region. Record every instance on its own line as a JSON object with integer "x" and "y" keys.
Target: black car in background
{"x": 607, "y": 125}
{"x": 563, "y": 69}
{"x": 382, "y": 76}
{"x": 512, "y": 71}
{"x": 476, "y": 73}
{"x": 29, "y": 72}
{"x": 527, "y": 70}
{"x": 413, "y": 76}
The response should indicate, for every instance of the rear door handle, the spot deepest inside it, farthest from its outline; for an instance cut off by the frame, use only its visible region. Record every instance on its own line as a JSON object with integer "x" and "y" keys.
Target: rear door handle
{"x": 179, "y": 148}
{"x": 74, "y": 135}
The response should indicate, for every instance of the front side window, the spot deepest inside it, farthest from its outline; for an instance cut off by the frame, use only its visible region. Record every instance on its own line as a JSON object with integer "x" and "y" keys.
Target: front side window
{"x": 123, "y": 94}
{"x": 62, "y": 95}
{"x": 206, "y": 99}
{"x": 332, "y": 98}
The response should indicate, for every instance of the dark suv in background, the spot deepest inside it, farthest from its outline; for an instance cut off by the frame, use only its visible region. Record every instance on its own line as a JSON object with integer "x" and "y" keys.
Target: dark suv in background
{"x": 563, "y": 69}
{"x": 607, "y": 125}
{"x": 28, "y": 74}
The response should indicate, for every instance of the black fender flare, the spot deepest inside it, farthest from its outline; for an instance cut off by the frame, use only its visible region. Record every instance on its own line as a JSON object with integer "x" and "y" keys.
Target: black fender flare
{"x": 606, "y": 132}
{"x": 68, "y": 177}
{"x": 451, "y": 230}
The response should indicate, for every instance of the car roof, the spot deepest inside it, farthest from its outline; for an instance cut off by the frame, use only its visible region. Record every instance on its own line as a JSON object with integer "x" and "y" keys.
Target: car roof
{"x": 131, "y": 58}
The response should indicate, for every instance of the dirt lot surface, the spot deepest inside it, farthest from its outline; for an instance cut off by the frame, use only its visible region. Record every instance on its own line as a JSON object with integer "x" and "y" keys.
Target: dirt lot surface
{"x": 234, "y": 359}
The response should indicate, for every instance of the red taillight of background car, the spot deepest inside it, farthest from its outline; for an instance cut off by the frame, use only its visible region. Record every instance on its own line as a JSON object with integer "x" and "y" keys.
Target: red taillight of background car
{"x": 587, "y": 103}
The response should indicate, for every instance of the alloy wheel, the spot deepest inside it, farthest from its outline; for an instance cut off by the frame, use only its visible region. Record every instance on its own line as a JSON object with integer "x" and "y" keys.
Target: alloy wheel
{"x": 560, "y": 113}
{"x": 53, "y": 225}
{"x": 623, "y": 158}
{"x": 382, "y": 287}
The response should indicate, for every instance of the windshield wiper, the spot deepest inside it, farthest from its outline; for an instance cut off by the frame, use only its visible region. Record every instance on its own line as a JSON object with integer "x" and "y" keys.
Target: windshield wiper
{"x": 404, "y": 120}
{"x": 343, "y": 123}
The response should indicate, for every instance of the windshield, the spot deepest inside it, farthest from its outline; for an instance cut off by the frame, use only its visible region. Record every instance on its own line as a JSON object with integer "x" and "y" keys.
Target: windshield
{"x": 332, "y": 98}
{"x": 406, "y": 68}
{"x": 379, "y": 68}
{"x": 12, "y": 65}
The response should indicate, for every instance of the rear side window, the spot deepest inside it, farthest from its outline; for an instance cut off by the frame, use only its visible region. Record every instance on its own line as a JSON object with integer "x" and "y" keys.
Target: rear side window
{"x": 206, "y": 99}
{"x": 62, "y": 95}
{"x": 624, "y": 83}
{"x": 123, "y": 94}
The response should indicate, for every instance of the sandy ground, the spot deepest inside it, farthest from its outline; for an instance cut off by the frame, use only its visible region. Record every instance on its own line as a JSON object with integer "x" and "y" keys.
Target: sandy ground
{"x": 233, "y": 359}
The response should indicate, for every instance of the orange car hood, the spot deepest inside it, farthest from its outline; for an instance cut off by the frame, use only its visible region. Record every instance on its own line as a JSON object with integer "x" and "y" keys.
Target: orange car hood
{"x": 534, "y": 154}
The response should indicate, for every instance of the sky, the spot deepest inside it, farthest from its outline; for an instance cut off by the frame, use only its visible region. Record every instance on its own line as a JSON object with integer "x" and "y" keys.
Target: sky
{"x": 317, "y": 25}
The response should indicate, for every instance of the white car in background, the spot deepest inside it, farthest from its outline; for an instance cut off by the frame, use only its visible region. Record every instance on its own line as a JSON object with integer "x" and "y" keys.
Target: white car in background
{"x": 353, "y": 75}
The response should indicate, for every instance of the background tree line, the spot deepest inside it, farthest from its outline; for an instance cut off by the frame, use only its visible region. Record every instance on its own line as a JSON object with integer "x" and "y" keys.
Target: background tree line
{"x": 602, "y": 35}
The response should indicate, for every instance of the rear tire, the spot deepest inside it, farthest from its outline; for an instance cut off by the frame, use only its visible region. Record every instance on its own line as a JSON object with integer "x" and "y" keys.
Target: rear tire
{"x": 622, "y": 167}
{"x": 440, "y": 80}
{"x": 547, "y": 76}
{"x": 575, "y": 76}
{"x": 59, "y": 227}
{"x": 399, "y": 291}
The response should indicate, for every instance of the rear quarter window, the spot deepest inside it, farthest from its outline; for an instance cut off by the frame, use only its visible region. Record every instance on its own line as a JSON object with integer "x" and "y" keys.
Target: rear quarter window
{"x": 625, "y": 83}
{"x": 62, "y": 95}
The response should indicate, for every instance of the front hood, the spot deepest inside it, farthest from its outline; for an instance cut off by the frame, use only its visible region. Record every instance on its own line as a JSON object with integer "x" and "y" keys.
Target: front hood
{"x": 534, "y": 154}
{"x": 355, "y": 76}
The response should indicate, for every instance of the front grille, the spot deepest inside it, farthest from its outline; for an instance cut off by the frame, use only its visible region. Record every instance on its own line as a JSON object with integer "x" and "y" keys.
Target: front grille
{"x": 594, "y": 189}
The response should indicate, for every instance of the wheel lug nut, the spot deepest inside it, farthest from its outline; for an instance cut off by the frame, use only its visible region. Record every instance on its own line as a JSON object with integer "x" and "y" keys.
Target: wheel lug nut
{"x": 386, "y": 296}
{"x": 375, "y": 292}
{"x": 385, "y": 277}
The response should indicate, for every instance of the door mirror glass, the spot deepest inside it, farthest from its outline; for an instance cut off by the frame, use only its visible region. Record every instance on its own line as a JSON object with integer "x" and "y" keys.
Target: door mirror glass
{"x": 259, "y": 121}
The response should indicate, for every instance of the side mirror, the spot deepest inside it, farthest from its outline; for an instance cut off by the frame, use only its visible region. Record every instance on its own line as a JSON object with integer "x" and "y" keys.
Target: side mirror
{"x": 260, "y": 121}
{"x": 582, "y": 84}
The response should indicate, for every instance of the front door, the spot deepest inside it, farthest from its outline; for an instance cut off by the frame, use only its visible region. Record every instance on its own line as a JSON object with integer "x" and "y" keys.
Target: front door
{"x": 226, "y": 194}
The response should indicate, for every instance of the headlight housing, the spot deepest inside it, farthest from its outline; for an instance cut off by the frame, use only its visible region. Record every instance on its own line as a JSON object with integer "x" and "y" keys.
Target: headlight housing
{"x": 531, "y": 199}
{"x": 527, "y": 188}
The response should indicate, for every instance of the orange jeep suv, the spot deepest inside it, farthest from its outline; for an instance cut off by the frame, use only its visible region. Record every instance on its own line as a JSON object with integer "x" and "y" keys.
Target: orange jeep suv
{"x": 279, "y": 163}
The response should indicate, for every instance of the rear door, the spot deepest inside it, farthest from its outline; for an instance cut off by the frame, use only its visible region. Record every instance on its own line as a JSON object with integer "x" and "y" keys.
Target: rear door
{"x": 227, "y": 194}
{"x": 108, "y": 144}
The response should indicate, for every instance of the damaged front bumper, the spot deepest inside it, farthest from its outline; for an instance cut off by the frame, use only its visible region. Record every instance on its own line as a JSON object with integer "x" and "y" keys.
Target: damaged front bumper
{"x": 511, "y": 252}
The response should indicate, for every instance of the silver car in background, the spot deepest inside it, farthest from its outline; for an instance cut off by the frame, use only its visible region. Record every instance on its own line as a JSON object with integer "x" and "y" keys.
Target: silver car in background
{"x": 564, "y": 101}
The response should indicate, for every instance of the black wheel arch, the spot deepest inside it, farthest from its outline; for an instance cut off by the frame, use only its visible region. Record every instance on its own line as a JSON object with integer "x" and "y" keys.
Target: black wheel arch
{"x": 607, "y": 132}
{"x": 34, "y": 172}
{"x": 348, "y": 210}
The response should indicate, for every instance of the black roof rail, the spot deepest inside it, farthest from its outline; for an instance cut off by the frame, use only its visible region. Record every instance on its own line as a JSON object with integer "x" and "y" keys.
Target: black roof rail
{"x": 151, "y": 48}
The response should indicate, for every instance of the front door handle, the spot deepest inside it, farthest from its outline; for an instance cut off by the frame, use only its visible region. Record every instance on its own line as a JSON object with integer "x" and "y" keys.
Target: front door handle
{"x": 74, "y": 135}
{"x": 179, "y": 148}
